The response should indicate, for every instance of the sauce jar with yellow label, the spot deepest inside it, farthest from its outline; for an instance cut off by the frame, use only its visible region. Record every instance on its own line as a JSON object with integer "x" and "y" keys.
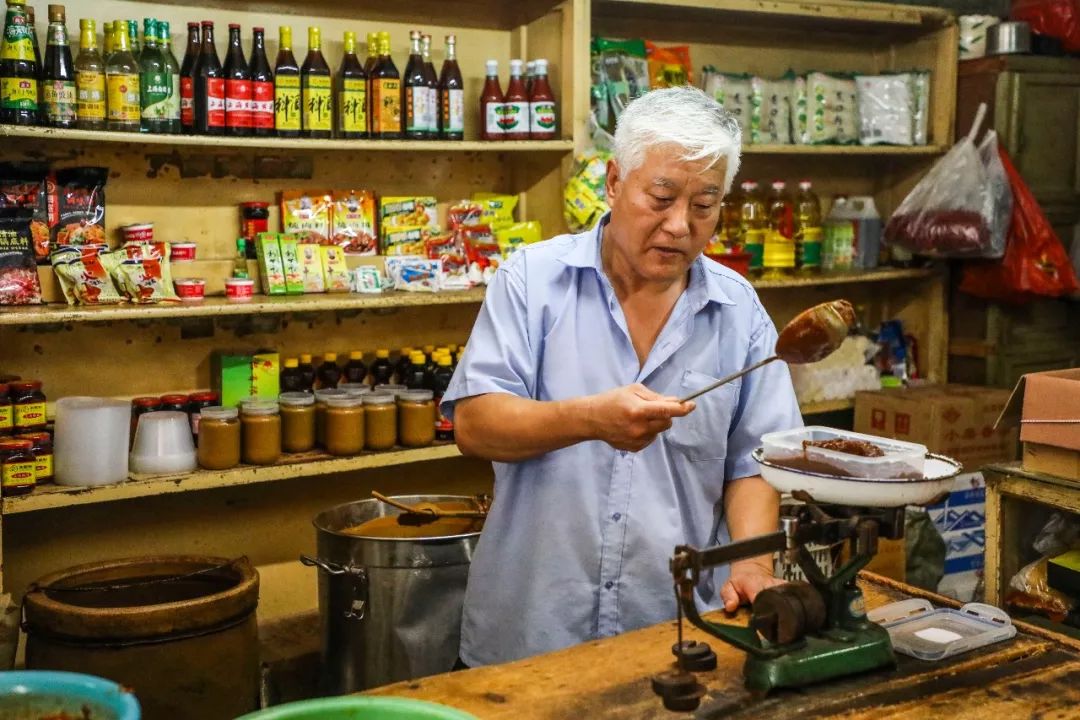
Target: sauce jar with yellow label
{"x": 344, "y": 425}
{"x": 42, "y": 449}
{"x": 416, "y": 418}
{"x": 17, "y": 467}
{"x": 219, "y": 438}
{"x": 29, "y": 402}
{"x": 260, "y": 432}
{"x": 297, "y": 421}
{"x": 7, "y": 411}
{"x": 380, "y": 421}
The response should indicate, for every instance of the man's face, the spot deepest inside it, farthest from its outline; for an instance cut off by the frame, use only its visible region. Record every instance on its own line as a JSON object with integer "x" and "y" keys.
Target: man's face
{"x": 664, "y": 212}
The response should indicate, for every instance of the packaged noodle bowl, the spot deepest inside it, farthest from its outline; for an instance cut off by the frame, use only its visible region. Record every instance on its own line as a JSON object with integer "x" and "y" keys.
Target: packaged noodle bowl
{"x": 306, "y": 215}
{"x": 311, "y": 268}
{"x": 84, "y": 274}
{"x": 335, "y": 271}
{"x": 353, "y": 222}
{"x": 80, "y": 206}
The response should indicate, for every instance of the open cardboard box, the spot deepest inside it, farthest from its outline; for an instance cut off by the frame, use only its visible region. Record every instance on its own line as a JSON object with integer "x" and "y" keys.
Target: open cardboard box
{"x": 1046, "y": 406}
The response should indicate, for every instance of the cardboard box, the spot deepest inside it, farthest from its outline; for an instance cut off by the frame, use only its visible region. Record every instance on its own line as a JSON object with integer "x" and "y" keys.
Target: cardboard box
{"x": 1046, "y": 406}
{"x": 265, "y": 375}
{"x": 1063, "y": 573}
{"x": 271, "y": 267}
{"x": 290, "y": 263}
{"x": 961, "y": 520}
{"x": 335, "y": 270}
{"x": 311, "y": 268}
{"x": 230, "y": 375}
{"x": 957, "y": 421}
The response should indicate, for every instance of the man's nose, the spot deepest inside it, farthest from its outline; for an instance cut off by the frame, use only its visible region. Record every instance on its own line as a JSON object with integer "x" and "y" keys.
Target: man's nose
{"x": 677, "y": 220}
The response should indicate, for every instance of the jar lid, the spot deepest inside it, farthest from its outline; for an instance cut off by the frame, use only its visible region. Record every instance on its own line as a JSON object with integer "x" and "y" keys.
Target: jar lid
{"x": 296, "y": 399}
{"x": 28, "y": 385}
{"x": 206, "y": 396}
{"x": 390, "y": 389}
{"x": 355, "y": 389}
{"x": 416, "y": 396}
{"x": 347, "y": 401}
{"x": 326, "y": 393}
{"x": 15, "y": 444}
{"x": 174, "y": 399}
{"x": 146, "y": 402}
{"x": 216, "y": 412}
{"x": 378, "y": 398}
{"x": 259, "y": 407}
{"x": 35, "y": 437}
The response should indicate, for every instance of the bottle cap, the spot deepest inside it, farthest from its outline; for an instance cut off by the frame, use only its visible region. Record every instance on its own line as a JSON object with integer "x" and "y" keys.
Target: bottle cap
{"x": 356, "y": 355}
{"x": 305, "y": 358}
{"x": 444, "y": 361}
{"x": 292, "y": 362}
{"x": 56, "y": 13}
{"x": 515, "y": 68}
{"x": 329, "y": 357}
{"x": 541, "y": 67}
{"x": 492, "y": 67}
{"x": 382, "y": 353}
{"x": 234, "y": 26}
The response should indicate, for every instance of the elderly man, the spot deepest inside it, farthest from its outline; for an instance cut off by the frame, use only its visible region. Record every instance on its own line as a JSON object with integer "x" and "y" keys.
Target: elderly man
{"x": 569, "y": 386}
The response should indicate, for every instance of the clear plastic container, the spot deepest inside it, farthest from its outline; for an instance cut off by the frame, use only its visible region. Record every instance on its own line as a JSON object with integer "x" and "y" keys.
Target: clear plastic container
{"x": 901, "y": 459}
{"x": 917, "y": 629}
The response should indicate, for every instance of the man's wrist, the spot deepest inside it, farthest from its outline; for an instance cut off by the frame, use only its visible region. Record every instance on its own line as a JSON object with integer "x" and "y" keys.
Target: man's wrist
{"x": 577, "y": 417}
{"x": 761, "y": 563}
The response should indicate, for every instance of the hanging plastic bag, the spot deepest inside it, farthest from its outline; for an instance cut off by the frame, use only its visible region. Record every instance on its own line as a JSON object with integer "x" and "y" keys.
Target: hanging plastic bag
{"x": 959, "y": 208}
{"x": 1035, "y": 263}
{"x": 1056, "y": 18}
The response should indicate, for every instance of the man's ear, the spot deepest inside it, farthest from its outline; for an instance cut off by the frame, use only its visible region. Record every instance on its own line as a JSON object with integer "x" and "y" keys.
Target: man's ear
{"x": 613, "y": 183}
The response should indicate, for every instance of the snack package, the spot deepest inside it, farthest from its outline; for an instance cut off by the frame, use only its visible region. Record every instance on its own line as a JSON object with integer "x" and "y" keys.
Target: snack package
{"x": 668, "y": 66}
{"x": 353, "y": 222}
{"x": 84, "y": 274}
{"x": 584, "y": 196}
{"x": 19, "y": 282}
{"x": 449, "y": 249}
{"x": 414, "y": 274}
{"x": 799, "y": 133}
{"x": 143, "y": 280}
{"x": 395, "y": 212}
{"x": 80, "y": 206}
{"x": 770, "y": 114}
{"x": 26, "y": 186}
{"x": 482, "y": 252}
{"x": 335, "y": 271}
{"x": 496, "y": 211}
{"x": 462, "y": 213}
{"x": 366, "y": 279}
{"x": 404, "y": 240}
{"x": 886, "y": 109}
{"x": 271, "y": 265}
{"x": 290, "y": 263}
{"x": 620, "y": 73}
{"x": 920, "y": 89}
{"x": 305, "y": 214}
{"x": 311, "y": 270}
{"x": 514, "y": 237}
{"x": 831, "y": 109}
{"x": 734, "y": 93}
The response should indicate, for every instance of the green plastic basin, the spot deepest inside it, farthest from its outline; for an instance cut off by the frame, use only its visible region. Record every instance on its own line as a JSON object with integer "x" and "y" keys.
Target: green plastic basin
{"x": 359, "y": 708}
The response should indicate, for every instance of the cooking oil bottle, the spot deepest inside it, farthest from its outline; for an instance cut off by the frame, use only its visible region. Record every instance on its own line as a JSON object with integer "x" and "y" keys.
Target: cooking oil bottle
{"x": 808, "y": 232}
{"x": 779, "y": 256}
{"x": 728, "y": 226}
{"x": 753, "y": 224}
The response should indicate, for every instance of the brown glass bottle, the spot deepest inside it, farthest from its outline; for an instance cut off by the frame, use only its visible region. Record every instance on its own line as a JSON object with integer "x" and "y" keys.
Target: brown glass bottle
{"x": 431, "y": 80}
{"x": 286, "y": 87}
{"x": 316, "y": 94}
{"x": 414, "y": 110}
{"x": 19, "y": 69}
{"x": 237, "y": 87}
{"x": 262, "y": 87}
{"x": 187, "y": 79}
{"x": 386, "y": 94}
{"x": 59, "y": 74}
{"x": 352, "y": 100}
{"x": 451, "y": 95}
{"x": 209, "y": 87}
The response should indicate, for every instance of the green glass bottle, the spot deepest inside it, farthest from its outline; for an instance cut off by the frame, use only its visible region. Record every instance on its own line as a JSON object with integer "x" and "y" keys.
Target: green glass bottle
{"x": 18, "y": 68}
{"x": 172, "y": 106}
{"x": 154, "y": 82}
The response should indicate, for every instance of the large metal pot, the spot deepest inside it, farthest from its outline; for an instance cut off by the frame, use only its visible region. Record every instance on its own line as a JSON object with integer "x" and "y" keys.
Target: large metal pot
{"x": 390, "y": 608}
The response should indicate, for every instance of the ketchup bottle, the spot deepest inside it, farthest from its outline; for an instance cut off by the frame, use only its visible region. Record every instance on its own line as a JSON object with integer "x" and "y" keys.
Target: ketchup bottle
{"x": 543, "y": 118}
{"x": 491, "y": 104}
{"x": 516, "y": 105}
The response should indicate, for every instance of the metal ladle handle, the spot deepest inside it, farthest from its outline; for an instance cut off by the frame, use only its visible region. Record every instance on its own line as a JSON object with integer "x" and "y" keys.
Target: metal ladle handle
{"x": 729, "y": 378}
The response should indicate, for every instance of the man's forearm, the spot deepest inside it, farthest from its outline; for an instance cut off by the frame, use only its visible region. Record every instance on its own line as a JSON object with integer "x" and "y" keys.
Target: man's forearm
{"x": 506, "y": 428}
{"x": 751, "y": 507}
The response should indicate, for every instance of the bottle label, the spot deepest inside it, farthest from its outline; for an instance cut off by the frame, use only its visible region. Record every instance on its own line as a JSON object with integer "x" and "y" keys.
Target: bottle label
{"x": 433, "y": 109}
{"x": 514, "y": 117}
{"x": 154, "y": 91}
{"x": 187, "y": 101}
{"x": 59, "y": 98}
{"x": 90, "y": 86}
{"x": 493, "y": 114}
{"x": 43, "y": 466}
{"x": 353, "y": 105}
{"x": 172, "y": 103}
{"x": 30, "y": 415}
{"x": 238, "y": 103}
{"x": 17, "y": 44}
{"x": 7, "y": 417}
{"x": 810, "y": 248}
{"x": 287, "y": 102}
{"x": 416, "y": 108}
{"x": 318, "y": 105}
{"x": 215, "y": 102}
{"x": 18, "y": 94}
{"x": 19, "y": 474}
{"x": 453, "y": 110}
{"x": 754, "y": 243}
{"x": 542, "y": 117}
{"x": 387, "y": 105}
{"x": 262, "y": 105}
{"x": 442, "y": 423}
{"x": 124, "y": 97}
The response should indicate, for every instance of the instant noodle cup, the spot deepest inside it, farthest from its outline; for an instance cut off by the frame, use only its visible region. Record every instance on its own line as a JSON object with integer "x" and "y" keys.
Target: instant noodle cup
{"x": 141, "y": 232}
{"x": 182, "y": 252}
{"x": 239, "y": 289}
{"x": 190, "y": 289}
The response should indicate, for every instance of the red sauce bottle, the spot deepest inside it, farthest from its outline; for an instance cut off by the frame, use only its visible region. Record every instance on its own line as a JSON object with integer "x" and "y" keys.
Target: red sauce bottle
{"x": 543, "y": 117}
{"x": 238, "y": 97}
{"x": 516, "y": 106}
{"x": 491, "y": 104}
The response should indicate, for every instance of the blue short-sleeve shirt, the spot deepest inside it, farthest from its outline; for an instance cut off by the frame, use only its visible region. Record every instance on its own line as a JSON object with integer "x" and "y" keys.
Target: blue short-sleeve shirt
{"x": 577, "y": 543}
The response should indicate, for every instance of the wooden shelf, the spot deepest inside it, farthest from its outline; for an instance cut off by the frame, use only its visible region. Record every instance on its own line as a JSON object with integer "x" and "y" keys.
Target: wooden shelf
{"x": 857, "y": 150}
{"x": 212, "y": 143}
{"x": 867, "y": 276}
{"x": 827, "y": 406}
{"x": 291, "y": 466}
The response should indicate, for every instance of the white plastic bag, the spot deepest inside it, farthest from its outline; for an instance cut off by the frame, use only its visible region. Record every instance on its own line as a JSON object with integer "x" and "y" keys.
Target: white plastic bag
{"x": 961, "y": 208}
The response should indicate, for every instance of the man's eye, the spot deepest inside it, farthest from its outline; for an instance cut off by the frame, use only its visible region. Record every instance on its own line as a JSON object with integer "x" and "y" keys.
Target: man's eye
{"x": 704, "y": 207}
{"x": 659, "y": 198}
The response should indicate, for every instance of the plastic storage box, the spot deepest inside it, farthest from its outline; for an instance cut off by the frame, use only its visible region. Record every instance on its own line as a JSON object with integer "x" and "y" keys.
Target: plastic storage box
{"x": 917, "y": 629}
{"x": 901, "y": 459}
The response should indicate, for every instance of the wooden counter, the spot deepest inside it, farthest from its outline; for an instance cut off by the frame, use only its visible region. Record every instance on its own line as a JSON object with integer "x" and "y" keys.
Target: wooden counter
{"x": 1034, "y": 675}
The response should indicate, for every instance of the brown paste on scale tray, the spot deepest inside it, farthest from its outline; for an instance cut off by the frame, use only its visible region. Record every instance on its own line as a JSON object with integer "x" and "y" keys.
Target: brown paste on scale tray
{"x": 391, "y": 527}
{"x": 860, "y": 448}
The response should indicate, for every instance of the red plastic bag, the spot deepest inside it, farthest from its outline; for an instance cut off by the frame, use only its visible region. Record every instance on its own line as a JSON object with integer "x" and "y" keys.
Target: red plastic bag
{"x": 1056, "y": 18}
{"x": 1035, "y": 262}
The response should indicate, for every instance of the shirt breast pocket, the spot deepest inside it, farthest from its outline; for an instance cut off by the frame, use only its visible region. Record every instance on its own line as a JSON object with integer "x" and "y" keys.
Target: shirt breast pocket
{"x": 702, "y": 435}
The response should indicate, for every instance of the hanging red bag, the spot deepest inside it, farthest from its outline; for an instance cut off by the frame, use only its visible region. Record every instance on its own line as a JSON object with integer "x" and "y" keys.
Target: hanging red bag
{"x": 1035, "y": 262}
{"x": 1056, "y": 18}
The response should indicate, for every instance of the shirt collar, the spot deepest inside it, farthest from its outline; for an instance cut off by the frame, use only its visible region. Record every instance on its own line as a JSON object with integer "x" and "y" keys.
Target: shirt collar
{"x": 704, "y": 285}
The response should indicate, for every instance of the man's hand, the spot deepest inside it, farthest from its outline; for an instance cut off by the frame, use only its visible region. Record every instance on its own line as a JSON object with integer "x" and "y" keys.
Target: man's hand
{"x": 630, "y": 417}
{"x": 747, "y": 579}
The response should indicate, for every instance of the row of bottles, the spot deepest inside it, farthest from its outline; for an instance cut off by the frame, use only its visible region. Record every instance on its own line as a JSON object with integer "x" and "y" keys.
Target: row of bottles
{"x": 415, "y": 368}
{"x": 526, "y": 111}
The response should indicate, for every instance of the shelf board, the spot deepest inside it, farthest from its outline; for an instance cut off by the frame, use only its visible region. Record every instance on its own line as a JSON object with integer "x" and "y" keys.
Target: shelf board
{"x": 212, "y": 143}
{"x": 291, "y": 466}
{"x": 220, "y": 307}
{"x": 827, "y": 406}
{"x": 867, "y": 276}
{"x": 856, "y": 150}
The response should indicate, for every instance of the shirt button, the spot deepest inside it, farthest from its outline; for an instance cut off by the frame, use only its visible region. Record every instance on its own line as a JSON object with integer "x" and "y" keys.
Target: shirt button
{"x": 608, "y": 585}
{"x": 616, "y": 517}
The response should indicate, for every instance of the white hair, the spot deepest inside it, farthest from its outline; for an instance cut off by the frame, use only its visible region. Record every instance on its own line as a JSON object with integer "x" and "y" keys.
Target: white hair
{"x": 682, "y": 116}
